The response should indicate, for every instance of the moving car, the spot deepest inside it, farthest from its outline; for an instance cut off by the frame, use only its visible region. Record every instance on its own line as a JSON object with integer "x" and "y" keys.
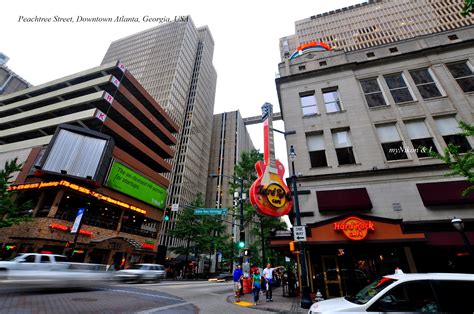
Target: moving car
{"x": 141, "y": 273}
{"x": 401, "y": 292}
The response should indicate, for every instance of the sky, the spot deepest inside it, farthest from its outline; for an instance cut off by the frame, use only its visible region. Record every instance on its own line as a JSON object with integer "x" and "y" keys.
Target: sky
{"x": 246, "y": 35}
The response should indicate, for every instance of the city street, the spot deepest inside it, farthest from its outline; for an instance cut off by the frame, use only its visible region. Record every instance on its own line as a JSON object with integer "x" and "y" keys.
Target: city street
{"x": 165, "y": 297}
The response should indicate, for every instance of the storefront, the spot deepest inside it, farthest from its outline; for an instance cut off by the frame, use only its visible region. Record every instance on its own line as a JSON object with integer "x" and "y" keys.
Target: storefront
{"x": 345, "y": 253}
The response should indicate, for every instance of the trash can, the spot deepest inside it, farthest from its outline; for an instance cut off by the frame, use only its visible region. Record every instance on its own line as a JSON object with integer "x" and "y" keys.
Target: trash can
{"x": 247, "y": 285}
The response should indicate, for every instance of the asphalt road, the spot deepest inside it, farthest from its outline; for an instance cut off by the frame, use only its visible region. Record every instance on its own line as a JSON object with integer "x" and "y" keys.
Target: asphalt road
{"x": 165, "y": 297}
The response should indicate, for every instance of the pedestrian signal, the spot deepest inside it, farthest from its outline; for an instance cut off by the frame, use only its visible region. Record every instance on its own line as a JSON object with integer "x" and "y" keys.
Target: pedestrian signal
{"x": 292, "y": 246}
{"x": 167, "y": 215}
{"x": 241, "y": 244}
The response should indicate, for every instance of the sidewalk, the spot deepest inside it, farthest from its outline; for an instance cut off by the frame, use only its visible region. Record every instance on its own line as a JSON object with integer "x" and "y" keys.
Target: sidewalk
{"x": 280, "y": 304}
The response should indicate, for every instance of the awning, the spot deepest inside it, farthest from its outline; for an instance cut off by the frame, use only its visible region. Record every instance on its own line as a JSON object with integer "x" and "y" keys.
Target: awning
{"x": 344, "y": 200}
{"x": 444, "y": 193}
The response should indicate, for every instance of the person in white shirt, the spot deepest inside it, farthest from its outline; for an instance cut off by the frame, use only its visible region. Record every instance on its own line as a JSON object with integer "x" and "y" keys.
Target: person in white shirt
{"x": 268, "y": 276}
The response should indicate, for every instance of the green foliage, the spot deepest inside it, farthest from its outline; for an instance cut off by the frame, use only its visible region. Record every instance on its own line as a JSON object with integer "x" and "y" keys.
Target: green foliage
{"x": 246, "y": 169}
{"x": 468, "y": 8}
{"x": 12, "y": 206}
{"x": 460, "y": 164}
{"x": 202, "y": 234}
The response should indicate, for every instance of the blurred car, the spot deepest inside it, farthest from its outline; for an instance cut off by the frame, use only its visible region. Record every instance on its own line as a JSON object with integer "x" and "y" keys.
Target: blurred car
{"x": 224, "y": 276}
{"x": 141, "y": 273}
{"x": 401, "y": 292}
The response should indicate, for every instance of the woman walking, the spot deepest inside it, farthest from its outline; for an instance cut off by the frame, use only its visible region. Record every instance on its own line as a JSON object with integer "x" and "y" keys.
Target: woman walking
{"x": 256, "y": 285}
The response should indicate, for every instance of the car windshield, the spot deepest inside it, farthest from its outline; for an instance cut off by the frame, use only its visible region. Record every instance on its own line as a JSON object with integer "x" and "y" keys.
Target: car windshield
{"x": 367, "y": 293}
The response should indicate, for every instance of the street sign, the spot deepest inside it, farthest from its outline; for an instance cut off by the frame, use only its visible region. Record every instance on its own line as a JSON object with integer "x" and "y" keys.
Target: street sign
{"x": 210, "y": 211}
{"x": 175, "y": 207}
{"x": 299, "y": 233}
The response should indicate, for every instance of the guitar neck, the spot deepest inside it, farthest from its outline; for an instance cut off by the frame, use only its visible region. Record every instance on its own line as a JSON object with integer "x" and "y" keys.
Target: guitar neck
{"x": 269, "y": 147}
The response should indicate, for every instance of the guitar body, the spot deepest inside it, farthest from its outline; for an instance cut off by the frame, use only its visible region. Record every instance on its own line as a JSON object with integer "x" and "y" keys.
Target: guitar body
{"x": 269, "y": 193}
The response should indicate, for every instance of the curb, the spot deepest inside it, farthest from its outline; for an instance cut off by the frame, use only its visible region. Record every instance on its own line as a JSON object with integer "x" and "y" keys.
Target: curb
{"x": 230, "y": 299}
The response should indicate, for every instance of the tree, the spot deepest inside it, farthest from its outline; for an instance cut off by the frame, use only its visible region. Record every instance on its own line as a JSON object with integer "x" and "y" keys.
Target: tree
{"x": 245, "y": 169}
{"x": 201, "y": 234}
{"x": 12, "y": 206}
{"x": 460, "y": 164}
{"x": 468, "y": 8}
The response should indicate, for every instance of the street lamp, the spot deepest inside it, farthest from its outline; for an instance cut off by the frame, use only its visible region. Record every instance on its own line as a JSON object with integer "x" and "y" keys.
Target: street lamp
{"x": 305, "y": 297}
{"x": 242, "y": 198}
{"x": 459, "y": 225}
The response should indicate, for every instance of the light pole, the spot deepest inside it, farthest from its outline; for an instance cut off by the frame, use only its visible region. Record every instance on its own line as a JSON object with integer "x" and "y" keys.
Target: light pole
{"x": 305, "y": 297}
{"x": 242, "y": 198}
{"x": 459, "y": 225}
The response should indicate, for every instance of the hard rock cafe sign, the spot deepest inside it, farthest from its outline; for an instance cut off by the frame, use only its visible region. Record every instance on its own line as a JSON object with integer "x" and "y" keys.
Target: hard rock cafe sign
{"x": 355, "y": 228}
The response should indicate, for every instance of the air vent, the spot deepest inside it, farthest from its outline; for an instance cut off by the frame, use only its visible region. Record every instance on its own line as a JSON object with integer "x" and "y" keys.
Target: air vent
{"x": 370, "y": 54}
{"x": 397, "y": 207}
{"x": 322, "y": 63}
{"x": 393, "y": 49}
{"x": 453, "y": 37}
{"x": 302, "y": 68}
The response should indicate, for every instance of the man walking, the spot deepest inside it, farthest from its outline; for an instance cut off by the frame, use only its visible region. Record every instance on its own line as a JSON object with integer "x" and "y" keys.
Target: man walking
{"x": 238, "y": 275}
{"x": 268, "y": 276}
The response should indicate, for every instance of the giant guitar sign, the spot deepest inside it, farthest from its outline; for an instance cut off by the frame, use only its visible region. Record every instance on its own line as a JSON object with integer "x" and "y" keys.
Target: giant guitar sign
{"x": 269, "y": 193}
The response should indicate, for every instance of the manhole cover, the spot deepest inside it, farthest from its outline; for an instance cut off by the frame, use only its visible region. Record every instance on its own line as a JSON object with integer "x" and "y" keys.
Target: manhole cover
{"x": 84, "y": 299}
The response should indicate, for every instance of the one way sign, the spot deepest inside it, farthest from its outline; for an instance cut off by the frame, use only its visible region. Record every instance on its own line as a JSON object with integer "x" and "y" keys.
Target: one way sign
{"x": 299, "y": 233}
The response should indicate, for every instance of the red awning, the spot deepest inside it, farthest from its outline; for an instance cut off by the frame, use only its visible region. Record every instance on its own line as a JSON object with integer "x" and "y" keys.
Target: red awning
{"x": 444, "y": 193}
{"x": 344, "y": 200}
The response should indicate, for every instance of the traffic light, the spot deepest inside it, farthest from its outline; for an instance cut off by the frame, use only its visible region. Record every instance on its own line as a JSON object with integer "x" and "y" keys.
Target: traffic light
{"x": 167, "y": 215}
{"x": 241, "y": 244}
{"x": 292, "y": 246}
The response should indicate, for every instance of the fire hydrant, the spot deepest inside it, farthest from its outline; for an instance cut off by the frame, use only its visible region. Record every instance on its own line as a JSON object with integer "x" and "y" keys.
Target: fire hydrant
{"x": 319, "y": 297}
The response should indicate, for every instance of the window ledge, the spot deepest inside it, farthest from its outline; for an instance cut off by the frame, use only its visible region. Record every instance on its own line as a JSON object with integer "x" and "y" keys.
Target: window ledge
{"x": 316, "y": 168}
{"x": 398, "y": 161}
{"x": 407, "y": 103}
{"x": 350, "y": 165}
{"x": 435, "y": 98}
{"x": 379, "y": 107}
{"x": 311, "y": 115}
{"x": 336, "y": 112}
{"x": 426, "y": 158}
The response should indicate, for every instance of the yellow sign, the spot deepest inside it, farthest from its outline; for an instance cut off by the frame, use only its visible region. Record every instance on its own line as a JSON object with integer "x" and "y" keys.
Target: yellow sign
{"x": 276, "y": 195}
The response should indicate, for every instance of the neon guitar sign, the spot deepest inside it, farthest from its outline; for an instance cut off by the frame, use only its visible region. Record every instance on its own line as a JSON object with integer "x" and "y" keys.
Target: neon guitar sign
{"x": 269, "y": 194}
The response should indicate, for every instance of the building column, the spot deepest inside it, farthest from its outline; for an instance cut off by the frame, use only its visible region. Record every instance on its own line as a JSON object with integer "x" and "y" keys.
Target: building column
{"x": 39, "y": 204}
{"x": 119, "y": 225}
{"x": 54, "y": 207}
{"x": 411, "y": 261}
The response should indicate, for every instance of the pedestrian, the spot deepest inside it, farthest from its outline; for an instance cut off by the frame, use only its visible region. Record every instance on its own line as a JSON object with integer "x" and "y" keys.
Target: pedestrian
{"x": 238, "y": 275}
{"x": 256, "y": 279}
{"x": 268, "y": 276}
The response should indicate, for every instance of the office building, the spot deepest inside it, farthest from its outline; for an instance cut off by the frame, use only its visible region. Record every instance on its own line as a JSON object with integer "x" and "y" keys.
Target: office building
{"x": 371, "y": 198}
{"x": 229, "y": 139}
{"x": 173, "y": 61}
{"x": 10, "y": 81}
{"x": 95, "y": 142}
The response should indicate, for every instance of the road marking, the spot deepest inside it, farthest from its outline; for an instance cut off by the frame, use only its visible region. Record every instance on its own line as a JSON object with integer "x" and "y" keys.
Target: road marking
{"x": 145, "y": 294}
{"x": 158, "y": 309}
{"x": 243, "y": 303}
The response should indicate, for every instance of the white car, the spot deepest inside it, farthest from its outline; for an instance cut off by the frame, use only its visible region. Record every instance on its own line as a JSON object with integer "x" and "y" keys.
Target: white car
{"x": 141, "y": 273}
{"x": 401, "y": 292}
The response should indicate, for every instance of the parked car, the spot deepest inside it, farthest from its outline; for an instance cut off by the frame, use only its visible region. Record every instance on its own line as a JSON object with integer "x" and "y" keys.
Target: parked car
{"x": 401, "y": 292}
{"x": 141, "y": 273}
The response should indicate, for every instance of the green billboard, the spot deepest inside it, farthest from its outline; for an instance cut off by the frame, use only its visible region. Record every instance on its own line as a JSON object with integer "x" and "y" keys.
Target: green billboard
{"x": 127, "y": 181}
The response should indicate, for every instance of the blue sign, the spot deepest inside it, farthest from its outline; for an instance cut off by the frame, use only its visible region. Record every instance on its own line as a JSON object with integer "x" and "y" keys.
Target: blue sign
{"x": 210, "y": 211}
{"x": 77, "y": 222}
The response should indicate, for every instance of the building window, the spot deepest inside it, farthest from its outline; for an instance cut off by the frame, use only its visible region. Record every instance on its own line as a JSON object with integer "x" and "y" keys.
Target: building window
{"x": 425, "y": 83}
{"x": 308, "y": 103}
{"x": 449, "y": 129}
{"x": 463, "y": 74}
{"x": 331, "y": 100}
{"x": 420, "y": 138}
{"x": 398, "y": 88}
{"x": 372, "y": 92}
{"x": 343, "y": 145}
{"x": 316, "y": 149}
{"x": 392, "y": 145}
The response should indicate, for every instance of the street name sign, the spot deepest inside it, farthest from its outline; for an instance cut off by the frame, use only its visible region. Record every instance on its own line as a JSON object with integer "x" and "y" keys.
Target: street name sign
{"x": 299, "y": 233}
{"x": 210, "y": 211}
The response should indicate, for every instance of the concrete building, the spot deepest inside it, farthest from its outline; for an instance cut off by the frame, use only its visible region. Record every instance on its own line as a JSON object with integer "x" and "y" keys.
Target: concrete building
{"x": 370, "y": 197}
{"x": 10, "y": 81}
{"x": 173, "y": 61}
{"x": 229, "y": 139}
{"x": 94, "y": 140}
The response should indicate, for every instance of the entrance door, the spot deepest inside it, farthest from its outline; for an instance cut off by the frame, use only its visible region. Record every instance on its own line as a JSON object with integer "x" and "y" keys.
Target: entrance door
{"x": 332, "y": 276}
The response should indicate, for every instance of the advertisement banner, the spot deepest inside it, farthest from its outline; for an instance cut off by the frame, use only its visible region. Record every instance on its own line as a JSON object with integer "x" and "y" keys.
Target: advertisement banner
{"x": 127, "y": 181}
{"x": 77, "y": 222}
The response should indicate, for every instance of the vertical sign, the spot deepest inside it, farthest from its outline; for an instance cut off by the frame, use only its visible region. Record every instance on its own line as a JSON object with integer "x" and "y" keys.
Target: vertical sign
{"x": 77, "y": 222}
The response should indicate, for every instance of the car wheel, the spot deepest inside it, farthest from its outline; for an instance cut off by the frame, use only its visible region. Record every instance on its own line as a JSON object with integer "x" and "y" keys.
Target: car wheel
{"x": 140, "y": 279}
{"x": 3, "y": 274}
